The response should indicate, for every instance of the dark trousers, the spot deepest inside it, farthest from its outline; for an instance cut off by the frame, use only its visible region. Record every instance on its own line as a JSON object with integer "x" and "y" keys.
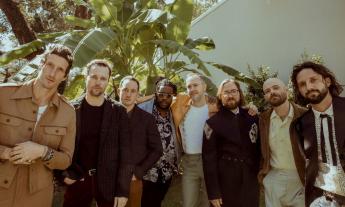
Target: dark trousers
{"x": 81, "y": 194}
{"x": 154, "y": 193}
{"x": 238, "y": 184}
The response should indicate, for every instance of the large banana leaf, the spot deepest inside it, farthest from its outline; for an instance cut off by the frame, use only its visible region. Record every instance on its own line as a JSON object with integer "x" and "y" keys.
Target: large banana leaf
{"x": 203, "y": 43}
{"x": 106, "y": 9}
{"x": 193, "y": 57}
{"x": 178, "y": 28}
{"x": 94, "y": 42}
{"x": 79, "y": 22}
{"x": 21, "y": 51}
{"x": 236, "y": 74}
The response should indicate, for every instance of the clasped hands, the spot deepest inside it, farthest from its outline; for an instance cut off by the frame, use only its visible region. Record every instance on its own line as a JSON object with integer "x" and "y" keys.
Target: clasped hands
{"x": 24, "y": 153}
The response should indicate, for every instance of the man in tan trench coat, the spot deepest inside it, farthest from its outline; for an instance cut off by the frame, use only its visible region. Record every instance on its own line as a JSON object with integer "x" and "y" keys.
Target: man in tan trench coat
{"x": 37, "y": 132}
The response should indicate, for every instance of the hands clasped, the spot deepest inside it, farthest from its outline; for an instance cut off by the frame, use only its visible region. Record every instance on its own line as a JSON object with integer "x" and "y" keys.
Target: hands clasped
{"x": 25, "y": 153}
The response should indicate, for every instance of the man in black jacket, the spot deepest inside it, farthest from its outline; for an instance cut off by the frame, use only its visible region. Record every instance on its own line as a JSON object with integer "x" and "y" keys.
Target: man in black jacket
{"x": 321, "y": 133}
{"x": 231, "y": 151}
{"x": 146, "y": 144}
{"x": 101, "y": 167}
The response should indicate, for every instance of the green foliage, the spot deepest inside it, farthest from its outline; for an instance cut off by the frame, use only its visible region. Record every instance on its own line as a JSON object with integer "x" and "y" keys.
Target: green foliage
{"x": 143, "y": 38}
{"x": 255, "y": 93}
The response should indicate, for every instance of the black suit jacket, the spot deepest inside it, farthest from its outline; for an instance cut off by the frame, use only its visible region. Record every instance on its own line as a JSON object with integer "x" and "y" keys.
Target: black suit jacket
{"x": 305, "y": 127}
{"x": 229, "y": 135}
{"x": 146, "y": 143}
{"x": 114, "y": 163}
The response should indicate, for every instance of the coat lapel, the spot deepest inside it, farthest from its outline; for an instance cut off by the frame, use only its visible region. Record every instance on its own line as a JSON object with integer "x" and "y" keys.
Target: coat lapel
{"x": 339, "y": 114}
{"x": 106, "y": 122}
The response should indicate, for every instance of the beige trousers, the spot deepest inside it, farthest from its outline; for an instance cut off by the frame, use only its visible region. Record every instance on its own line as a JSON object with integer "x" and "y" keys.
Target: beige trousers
{"x": 283, "y": 188}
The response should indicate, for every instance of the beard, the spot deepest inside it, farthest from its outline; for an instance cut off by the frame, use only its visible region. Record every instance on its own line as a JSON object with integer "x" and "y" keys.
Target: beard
{"x": 96, "y": 92}
{"x": 231, "y": 104}
{"x": 316, "y": 99}
{"x": 279, "y": 99}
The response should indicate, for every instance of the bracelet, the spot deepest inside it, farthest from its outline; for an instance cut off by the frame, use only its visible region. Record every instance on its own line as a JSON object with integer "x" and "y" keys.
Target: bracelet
{"x": 49, "y": 155}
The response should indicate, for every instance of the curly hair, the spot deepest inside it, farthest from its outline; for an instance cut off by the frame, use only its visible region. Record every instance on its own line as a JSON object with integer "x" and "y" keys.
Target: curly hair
{"x": 335, "y": 88}
{"x": 166, "y": 82}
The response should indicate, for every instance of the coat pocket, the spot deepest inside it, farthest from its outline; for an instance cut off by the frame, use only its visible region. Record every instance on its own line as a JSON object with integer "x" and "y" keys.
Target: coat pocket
{"x": 53, "y": 135}
{"x": 9, "y": 120}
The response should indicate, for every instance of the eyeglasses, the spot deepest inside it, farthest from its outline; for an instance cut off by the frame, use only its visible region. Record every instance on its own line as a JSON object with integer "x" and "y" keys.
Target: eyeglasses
{"x": 164, "y": 95}
{"x": 232, "y": 92}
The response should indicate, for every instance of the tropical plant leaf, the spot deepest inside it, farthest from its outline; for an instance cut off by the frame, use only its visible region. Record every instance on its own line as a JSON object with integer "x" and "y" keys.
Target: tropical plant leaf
{"x": 21, "y": 51}
{"x": 105, "y": 9}
{"x": 192, "y": 56}
{"x": 75, "y": 87}
{"x": 203, "y": 43}
{"x": 236, "y": 74}
{"x": 94, "y": 42}
{"x": 79, "y": 22}
{"x": 178, "y": 28}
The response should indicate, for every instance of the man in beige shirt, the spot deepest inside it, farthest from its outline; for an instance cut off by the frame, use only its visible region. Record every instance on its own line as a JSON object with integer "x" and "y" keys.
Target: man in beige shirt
{"x": 282, "y": 173}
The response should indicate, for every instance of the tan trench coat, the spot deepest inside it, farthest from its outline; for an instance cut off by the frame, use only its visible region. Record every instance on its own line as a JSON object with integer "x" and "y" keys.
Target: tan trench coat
{"x": 32, "y": 185}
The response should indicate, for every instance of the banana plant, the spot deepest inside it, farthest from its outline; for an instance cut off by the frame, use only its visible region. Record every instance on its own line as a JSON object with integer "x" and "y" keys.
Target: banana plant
{"x": 141, "y": 38}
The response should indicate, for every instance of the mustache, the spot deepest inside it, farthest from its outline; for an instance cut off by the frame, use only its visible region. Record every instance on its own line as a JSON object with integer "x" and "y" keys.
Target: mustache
{"x": 274, "y": 95}
{"x": 313, "y": 90}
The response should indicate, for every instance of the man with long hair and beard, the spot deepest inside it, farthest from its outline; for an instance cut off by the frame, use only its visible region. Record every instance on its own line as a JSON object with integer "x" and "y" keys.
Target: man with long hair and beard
{"x": 282, "y": 172}
{"x": 231, "y": 151}
{"x": 321, "y": 135}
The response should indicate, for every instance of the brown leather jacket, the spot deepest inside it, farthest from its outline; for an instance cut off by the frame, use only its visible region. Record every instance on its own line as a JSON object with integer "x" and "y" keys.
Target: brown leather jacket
{"x": 56, "y": 129}
{"x": 180, "y": 107}
{"x": 264, "y": 126}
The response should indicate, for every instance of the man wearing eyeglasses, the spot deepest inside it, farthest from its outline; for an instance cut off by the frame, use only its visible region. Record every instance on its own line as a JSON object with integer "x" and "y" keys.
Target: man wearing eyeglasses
{"x": 158, "y": 179}
{"x": 231, "y": 151}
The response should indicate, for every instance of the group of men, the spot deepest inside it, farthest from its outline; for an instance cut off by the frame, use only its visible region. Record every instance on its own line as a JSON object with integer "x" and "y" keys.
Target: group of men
{"x": 126, "y": 153}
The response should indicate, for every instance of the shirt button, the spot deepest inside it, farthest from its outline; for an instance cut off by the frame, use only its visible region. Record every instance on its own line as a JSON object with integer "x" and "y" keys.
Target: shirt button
{"x": 34, "y": 111}
{"x": 57, "y": 131}
{"x": 5, "y": 181}
{"x": 30, "y": 129}
{"x": 7, "y": 120}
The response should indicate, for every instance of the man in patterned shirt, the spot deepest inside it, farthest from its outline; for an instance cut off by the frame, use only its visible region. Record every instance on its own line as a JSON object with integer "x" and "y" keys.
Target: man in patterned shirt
{"x": 157, "y": 181}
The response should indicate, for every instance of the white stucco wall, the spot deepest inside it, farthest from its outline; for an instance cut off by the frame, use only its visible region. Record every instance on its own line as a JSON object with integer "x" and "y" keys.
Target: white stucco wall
{"x": 274, "y": 33}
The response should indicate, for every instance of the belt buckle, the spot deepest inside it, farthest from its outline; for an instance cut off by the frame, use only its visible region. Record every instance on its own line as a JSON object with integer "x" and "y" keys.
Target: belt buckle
{"x": 91, "y": 172}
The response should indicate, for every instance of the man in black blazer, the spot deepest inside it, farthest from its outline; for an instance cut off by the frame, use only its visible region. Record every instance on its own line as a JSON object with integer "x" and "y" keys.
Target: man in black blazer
{"x": 231, "y": 151}
{"x": 321, "y": 133}
{"x": 146, "y": 144}
{"x": 101, "y": 167}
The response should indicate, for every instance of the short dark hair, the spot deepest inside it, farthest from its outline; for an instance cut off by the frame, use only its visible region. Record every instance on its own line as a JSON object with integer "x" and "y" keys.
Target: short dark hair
{"x": 101, "y": 63}
{"x": 220, "y": 89}
{"x": 166, "y": 82}
{"x": 131, "y": 78}
{"x": 63, "y": 52}
{"x": 335, "y": 88}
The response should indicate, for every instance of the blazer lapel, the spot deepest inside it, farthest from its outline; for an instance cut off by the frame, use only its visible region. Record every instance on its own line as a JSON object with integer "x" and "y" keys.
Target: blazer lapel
{"x": 106, "y": 122}
{"x": 339, "y": 114}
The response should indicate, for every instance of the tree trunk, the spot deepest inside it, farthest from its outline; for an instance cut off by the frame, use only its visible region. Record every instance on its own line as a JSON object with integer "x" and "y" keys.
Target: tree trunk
{"x": 82, "y": 12}
{"x": 20, "y": 27}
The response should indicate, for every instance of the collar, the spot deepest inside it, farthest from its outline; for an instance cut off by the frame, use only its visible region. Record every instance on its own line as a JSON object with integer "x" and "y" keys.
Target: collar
{"x": 329, "y": 111}
{"x": 26, "y": 91}
{"x": 235, "y": 111}
{"x": 290, "y": 115}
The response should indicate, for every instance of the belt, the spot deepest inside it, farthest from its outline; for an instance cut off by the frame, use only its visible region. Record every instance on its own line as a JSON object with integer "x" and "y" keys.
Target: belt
{"x": 91, "y": 172}
{"x": 236, "y": 159}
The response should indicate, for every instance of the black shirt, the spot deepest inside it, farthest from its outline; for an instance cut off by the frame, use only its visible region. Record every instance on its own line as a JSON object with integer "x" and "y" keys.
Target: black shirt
{"x": 91, "y": 120}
